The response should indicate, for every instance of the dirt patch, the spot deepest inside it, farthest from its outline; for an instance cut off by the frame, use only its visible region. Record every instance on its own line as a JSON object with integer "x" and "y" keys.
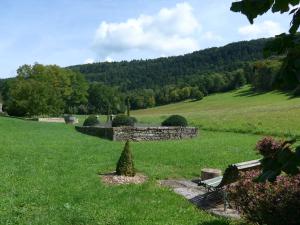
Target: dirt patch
{"x": 114, "y": 179}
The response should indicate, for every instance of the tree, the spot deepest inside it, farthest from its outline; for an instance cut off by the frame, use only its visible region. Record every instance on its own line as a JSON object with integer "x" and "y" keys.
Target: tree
{"x": 287, "y": 44}
{"x": 45, "y": 90}
{"x": 196, "y": 94}
{"x": 105, "y": 100}
{"x": 125, "y": 165}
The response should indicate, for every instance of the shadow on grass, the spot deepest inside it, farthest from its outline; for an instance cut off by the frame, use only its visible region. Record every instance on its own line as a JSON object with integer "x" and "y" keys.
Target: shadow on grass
{"x": 251, "y": 92}
{"x": 216, "y": 222}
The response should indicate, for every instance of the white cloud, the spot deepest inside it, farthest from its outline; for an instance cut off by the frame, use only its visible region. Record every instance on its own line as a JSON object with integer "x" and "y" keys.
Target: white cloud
{"x": 171, "y": 31}
{"x": 210, "y": 36}
{"x": 267, "y": 28}
{"x": 108, "y": 59}
{"x": 89, "y": 61}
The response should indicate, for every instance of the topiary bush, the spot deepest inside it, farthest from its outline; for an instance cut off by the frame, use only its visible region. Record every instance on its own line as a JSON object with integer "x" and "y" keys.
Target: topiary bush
{"x": 91, "y": 121}
{"x": 175, "y": 121}
{"x": 267, "y": 203}
{"x": 125, "y": 165}
{"x": 123, "y": 120}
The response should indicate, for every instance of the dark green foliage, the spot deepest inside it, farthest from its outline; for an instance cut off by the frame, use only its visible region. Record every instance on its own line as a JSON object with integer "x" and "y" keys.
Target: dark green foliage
{"x": 125, "y": 165}
{"x": 254, "y": 8}
{"x": 175, "y": 121}
{"x": 297, "y": 91}
{"x": 284, "y": 44}
{"x": 44, "y": 90}
{"x": 91, "y": 121}
{"x": 267, "y": 203}
{"x": 265, "y": 74}
{"x": 196, "y": 94}
{"x": 187, "y": 69}
{"x": 105, "y": 100}
{"x": 123, "y": 120}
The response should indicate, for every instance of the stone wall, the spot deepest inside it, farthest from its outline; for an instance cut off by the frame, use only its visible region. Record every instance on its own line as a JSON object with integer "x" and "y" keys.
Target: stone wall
{"x": 52, "y": 120}
{"x": 140, "y": 133}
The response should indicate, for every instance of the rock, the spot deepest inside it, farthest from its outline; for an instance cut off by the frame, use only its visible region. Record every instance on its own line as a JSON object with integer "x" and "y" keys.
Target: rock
{"x": 208, "y": 173}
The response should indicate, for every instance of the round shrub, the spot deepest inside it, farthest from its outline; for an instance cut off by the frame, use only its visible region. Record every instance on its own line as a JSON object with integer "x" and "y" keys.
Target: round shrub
{"x": 175, "y": 121}
{"x": 91, "y": 121}
{"x": 123, "y": 120}
{"x": 125, "y": 165}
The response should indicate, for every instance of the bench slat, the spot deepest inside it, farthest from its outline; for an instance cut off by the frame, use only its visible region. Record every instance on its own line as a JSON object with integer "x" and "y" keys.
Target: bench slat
{"x": 246, "y": 163}
{"x": 213, "y": 182}
{"x": 248, "y": 166}
{"x": 221, "y": 180}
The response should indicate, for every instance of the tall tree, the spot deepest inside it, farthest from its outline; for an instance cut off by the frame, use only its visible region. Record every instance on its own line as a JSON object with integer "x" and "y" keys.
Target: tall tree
{"x": 44, "y": 90}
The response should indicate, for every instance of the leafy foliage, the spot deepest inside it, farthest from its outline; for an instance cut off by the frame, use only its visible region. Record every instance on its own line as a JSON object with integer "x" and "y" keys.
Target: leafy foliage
{"x": 178, "y": 71}
{"x": 125, "y": 165}
{"x": 253, "y": 8}
{"x": 278, "y": 157}
{"x": 123, "y": 120}
{"x": 175, "y": 121}
{"x": 44, "y": 90}
{"x": 268, "y": 203}
{"x": 265, "y": 75}
{"x": 287, "y": 44}
{"x": 105, "y": 100}
{"x": 91, "y": 121}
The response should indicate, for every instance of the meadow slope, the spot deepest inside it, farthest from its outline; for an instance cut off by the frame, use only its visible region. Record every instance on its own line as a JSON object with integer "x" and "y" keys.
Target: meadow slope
{"x": 242, "y": 111}
{"x": 50, "y": 176}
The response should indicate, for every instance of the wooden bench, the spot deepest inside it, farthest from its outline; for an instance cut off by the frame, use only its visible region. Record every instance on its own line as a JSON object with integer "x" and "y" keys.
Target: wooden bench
{"x": 231, "y": 175}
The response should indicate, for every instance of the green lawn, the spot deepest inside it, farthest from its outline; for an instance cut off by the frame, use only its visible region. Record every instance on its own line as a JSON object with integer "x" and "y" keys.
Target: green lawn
{"x": 271, "y": 113}
{"x": 50, "y": 172}
{"x": 49, "y": 176}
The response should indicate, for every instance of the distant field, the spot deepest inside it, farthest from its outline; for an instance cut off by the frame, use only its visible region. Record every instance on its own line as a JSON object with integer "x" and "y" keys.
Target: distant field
{"x": 49, "y": 176}
{"x": 243, "y": 111}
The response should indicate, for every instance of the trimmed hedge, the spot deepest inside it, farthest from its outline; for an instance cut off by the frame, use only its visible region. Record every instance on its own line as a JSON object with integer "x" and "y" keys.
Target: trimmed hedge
{"x": 123, "y": 120}
{"x": 91, "y": 121}
{"x": 175, "y": 121}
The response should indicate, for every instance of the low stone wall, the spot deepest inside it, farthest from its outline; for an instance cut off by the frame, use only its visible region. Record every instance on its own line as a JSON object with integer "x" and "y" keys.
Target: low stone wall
{"x": 140, "y": 133}
{"x": 52, "y": 120}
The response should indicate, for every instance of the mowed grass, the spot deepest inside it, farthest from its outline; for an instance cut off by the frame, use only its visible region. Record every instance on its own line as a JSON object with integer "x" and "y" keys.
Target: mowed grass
{"x": 242, "y": 110}
{"x": 50, "y": 176}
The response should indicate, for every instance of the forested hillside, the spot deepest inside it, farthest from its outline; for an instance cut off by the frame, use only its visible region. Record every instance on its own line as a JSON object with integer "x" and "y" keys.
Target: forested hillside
{"x": 145, "y": 74}
{"x": 143, "y": 83}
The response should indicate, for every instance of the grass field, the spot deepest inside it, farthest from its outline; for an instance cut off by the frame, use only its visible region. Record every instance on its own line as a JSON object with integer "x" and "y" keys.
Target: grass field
{"x": 49, "y": 176}
{"x": 243, "y": 111}
{"x": 50, "y": 172}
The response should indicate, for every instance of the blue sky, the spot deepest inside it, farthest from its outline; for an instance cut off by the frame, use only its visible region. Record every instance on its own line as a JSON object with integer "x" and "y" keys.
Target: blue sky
{"x": 69, "y": 32}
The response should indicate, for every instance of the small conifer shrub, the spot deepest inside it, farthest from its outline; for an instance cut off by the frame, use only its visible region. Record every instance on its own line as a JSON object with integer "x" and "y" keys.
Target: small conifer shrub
{"x": 125, "y": 165}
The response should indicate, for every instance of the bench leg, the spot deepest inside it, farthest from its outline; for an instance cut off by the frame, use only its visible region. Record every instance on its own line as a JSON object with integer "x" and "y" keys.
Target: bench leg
{"x": 225, "y": 200}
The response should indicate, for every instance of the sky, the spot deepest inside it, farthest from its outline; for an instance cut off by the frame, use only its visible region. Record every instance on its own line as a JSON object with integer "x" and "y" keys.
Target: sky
{"x": 70, "y": 32}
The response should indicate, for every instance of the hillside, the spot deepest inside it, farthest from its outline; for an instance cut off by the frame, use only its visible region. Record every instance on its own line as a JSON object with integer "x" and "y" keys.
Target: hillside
{"x": 272, "y": 113}
{"x": 141, "y": 74}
